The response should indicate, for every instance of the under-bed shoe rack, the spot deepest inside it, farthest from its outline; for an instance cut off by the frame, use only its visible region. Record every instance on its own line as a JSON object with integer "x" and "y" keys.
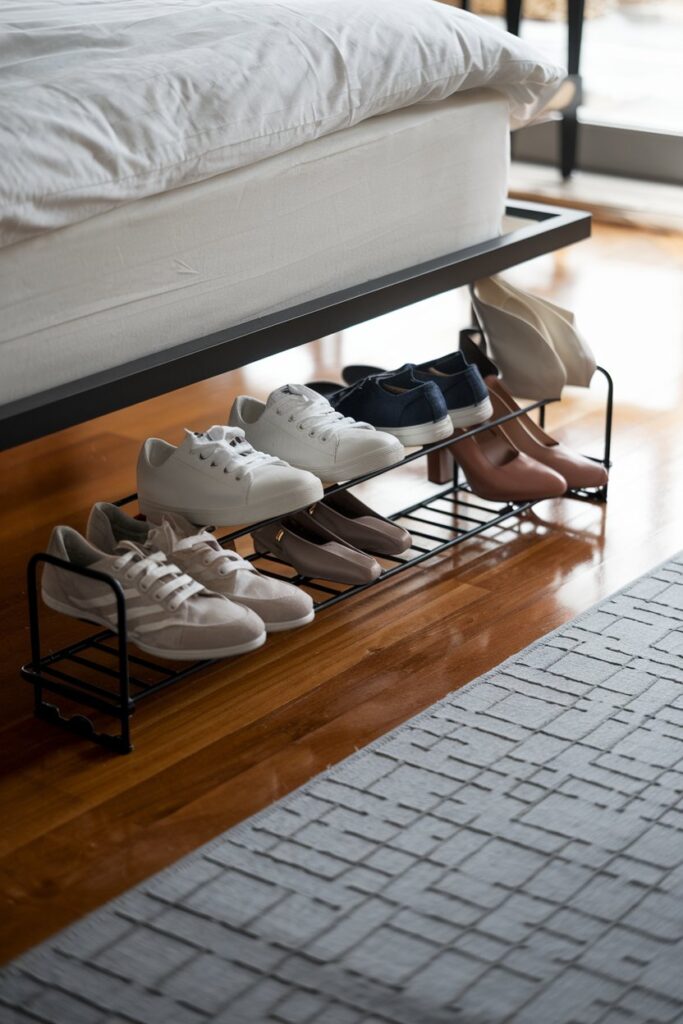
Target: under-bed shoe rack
{"x": 98, "y": 680}
{"x": 99, "y": 675}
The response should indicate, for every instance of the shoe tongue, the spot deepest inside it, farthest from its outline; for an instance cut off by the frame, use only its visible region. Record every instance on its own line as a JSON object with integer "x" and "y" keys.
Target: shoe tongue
{"x": 403, "y": 378}
{"x": 177, "y": 525}
{"x": 221, "y": 432}
{"x": 300, "y": 390}
{"x": 124, "y": 546}
{"x": 175, "y": 528}
{"x": 165, "y": 536}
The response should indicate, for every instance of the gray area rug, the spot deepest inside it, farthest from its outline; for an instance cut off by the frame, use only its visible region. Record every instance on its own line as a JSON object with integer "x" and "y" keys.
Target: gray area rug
{"x": 513, "y": 854}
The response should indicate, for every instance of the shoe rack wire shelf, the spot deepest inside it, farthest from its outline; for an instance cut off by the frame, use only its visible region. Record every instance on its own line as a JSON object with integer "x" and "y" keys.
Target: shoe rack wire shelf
{"x": 113, "y": 681}
{"x": 99, "y": 678}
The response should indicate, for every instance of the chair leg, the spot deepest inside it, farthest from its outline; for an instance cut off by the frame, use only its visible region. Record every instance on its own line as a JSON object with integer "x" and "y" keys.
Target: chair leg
{"x": 570, "y": 124}
{"x": 575, "y": 12}
{"x": 569, "y": 138}
{"x": 513, "y": 14}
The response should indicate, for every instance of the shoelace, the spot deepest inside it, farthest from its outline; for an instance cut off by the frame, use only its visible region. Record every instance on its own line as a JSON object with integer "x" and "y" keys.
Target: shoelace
{"x": 230, "y": 452}
{"x": 148, "y": 570}
{"x": 201, "y": 545}
{"x": 317, "y": 415}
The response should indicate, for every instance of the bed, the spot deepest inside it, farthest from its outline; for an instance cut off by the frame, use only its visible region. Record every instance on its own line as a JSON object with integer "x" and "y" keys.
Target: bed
{"x": 398, "y": 189}
{"x": 199, "y": 173}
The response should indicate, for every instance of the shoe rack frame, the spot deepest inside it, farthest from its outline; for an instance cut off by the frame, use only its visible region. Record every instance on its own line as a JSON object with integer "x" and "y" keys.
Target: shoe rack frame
{"x": 98, "y": 681}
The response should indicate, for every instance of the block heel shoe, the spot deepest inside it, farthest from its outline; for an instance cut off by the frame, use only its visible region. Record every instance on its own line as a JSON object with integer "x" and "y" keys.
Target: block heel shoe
{"x": 532, "y": 440}
{"x": 496, "y": 470}
{"x": 525, "y": 433}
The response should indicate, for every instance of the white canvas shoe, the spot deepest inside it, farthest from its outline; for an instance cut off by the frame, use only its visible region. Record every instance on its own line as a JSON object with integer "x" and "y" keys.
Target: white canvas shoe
{"x": 168, "y": 614}
{"x": 281, "y": 605}
{"x": 216, "y": 478}
{"x": 299, "y": 425}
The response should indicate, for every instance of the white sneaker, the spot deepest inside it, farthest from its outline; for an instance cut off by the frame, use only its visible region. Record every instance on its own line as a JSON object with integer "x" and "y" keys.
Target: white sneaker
{"x": 167, "y": 613}
{"x": 281, "y": 605}
{"x": 216, "y": 478}
{"x": 299, "y": 425}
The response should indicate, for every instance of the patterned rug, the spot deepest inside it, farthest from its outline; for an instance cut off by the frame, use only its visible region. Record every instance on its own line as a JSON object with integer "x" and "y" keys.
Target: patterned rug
{"x": 513, "y": 854}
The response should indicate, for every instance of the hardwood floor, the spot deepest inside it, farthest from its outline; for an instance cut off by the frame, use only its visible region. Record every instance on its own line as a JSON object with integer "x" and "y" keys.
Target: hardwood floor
{"x": 82, "y": 825}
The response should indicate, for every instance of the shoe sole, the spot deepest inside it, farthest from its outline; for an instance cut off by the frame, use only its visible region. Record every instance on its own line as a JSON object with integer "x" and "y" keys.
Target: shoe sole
{"x": 280, "y": 627}
{"x": 359, "y": 467}
{"x": 277, "y": 627}
{"x": 471, "y": 415}
{"x": 422, "y": 433}
{"x": 159, "y": 652}
{"x": 241, "y": 515}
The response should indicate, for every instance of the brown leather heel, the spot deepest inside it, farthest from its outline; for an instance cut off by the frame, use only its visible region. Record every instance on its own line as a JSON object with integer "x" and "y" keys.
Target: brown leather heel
{"x": 495, "y": 469}
{"x": 531, "y": 439}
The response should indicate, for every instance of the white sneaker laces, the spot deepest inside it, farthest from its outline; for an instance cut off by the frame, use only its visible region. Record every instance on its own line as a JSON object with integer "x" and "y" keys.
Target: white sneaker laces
{"x": 310, "y": 411}
{"x": 202, "y": 545}
{"x": 148, "y": 570}
{"x": 226, "y": 449}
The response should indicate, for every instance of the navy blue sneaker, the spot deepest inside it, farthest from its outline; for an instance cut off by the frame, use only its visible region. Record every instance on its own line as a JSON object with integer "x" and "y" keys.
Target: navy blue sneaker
{"x": 414, "y": 411}
{"x": 461, "y": 384}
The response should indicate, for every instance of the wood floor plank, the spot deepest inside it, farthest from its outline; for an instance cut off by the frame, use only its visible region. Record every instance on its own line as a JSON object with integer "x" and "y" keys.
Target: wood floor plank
{"x": 81, "y": 826}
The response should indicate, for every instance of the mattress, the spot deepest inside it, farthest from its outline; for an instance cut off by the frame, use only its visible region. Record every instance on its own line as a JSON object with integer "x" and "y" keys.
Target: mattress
{"x": 104, "y": 102}
{"x": 385, "y": 194}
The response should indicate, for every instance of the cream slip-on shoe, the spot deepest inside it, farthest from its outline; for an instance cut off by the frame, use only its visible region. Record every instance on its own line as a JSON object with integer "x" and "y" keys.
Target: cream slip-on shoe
{"x": 535, "y": 343}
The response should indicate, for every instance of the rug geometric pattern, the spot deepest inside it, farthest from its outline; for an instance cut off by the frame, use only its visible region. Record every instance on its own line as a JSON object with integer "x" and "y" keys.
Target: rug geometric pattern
{"x": 513, "y": 854}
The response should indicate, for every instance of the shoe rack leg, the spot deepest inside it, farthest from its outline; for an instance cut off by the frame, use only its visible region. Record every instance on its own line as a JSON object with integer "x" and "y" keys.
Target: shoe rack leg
{"x": 34, "y": 626}
{"x": 70, "y": 687}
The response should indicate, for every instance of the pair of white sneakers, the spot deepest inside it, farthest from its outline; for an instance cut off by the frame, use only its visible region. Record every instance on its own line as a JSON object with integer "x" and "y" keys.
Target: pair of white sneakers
{"x": 269, "y": 461}
{"x": 186, "y": 597}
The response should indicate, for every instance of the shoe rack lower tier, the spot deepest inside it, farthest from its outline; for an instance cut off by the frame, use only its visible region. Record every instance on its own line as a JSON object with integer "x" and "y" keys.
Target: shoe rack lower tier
{"x": 99, "y": 681}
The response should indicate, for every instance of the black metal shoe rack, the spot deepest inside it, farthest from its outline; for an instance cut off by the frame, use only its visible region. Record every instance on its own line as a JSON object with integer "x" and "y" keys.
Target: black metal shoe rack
{"x": 100, "y": 675}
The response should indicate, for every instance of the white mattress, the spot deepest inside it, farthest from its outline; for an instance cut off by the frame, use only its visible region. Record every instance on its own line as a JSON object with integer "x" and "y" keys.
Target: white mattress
{"x": 383, "y": 195}
{"x": 104, "y": 102}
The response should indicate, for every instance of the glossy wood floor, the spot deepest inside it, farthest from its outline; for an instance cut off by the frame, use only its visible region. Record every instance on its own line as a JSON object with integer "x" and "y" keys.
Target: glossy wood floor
{"x": 80, "y": 826}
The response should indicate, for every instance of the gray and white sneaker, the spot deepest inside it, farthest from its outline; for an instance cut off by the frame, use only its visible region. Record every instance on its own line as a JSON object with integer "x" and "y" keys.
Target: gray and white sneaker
{"x": 216, "y": 478}
{"x": 197, "y": 552}
{"x": 168, "y": 614}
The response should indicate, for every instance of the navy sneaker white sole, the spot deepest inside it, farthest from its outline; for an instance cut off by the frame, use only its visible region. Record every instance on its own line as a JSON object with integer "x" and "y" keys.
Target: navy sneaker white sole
{"x": 422, "y": 433}
{"x": 471, "y": 415}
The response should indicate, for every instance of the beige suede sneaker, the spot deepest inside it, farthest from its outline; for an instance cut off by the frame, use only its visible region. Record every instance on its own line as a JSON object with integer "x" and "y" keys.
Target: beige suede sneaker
{"x": 198, "y": 553}
{"x": 168, "y": 614}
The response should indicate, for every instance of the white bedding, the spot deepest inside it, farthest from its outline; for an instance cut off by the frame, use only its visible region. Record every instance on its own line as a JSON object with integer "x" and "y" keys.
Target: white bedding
{"x": 393, "y": 191}
{"x": 104, "y": 102}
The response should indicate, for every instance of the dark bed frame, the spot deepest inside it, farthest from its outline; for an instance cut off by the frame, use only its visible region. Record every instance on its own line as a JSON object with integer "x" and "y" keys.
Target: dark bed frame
{"x": 97, "y": 678}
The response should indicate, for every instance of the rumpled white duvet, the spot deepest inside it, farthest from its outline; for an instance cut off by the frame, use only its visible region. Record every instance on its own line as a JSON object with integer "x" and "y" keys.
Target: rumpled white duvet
{"x": 103, "y": 102}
